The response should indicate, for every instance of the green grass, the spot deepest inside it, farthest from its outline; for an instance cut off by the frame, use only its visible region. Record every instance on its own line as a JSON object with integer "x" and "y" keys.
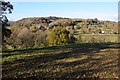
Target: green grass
{"x": 82, "y": 23}
{"x": 96, "y": 61}
{"x": 97, "y": 38}
{"x": 96, "y": 34}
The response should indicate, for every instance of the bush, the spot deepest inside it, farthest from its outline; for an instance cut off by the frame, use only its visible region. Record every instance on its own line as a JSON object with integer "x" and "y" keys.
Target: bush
{"x": 58, "y": 36}
{"x": 32, "y": 27}
{"x": 40, "y": 39}
{"x": 25, "y": 38}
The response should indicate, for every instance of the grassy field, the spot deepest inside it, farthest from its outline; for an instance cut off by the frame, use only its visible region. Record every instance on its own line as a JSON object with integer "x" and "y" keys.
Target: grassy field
{"x": 97, "y": 38}
{"x": 89, "y": 61}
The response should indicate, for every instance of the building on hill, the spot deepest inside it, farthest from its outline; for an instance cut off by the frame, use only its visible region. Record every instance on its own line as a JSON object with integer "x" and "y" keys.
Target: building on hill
{"x": 103, "y": 32}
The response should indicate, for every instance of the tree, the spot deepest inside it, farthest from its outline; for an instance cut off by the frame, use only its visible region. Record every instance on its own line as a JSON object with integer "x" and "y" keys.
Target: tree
{"x": 58, "y": 36}
{"x": 96, "y": 20}
{"x": 40, "y": 38}
{"x": 6, "y": 7}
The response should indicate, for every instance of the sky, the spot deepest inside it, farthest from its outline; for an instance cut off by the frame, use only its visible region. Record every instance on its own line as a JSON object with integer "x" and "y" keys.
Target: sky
{"x": 100, "y": 10}
{"x": 63, "y": 0}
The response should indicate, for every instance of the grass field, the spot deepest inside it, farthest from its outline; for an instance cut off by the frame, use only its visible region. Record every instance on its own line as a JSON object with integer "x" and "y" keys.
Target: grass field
{"x": 89, "y": 61}
{"x": 97, "y": 38}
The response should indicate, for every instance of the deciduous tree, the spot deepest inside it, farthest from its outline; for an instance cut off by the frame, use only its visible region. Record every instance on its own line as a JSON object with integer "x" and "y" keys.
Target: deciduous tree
{"x": 58, "y": 36}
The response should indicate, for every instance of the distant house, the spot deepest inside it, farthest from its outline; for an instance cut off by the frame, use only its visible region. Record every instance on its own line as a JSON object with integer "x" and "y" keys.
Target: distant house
{"x": 103, "y": 32}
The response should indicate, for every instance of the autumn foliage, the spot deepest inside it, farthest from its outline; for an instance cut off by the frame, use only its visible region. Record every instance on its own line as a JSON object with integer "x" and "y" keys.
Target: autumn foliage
{"x": 58, "y": 36}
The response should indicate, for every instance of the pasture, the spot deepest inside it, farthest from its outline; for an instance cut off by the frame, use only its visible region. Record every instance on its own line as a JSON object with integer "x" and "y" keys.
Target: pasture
{"x": 78, "y": 61}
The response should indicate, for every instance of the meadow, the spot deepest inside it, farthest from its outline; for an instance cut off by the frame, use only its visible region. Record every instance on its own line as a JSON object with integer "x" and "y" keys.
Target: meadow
{"x": 78, "y": 61}
{"x": 97, "y": 38}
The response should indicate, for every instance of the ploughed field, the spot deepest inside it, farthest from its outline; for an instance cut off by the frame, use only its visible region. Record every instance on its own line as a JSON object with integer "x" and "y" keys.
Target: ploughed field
{"x": 92, "y": 60}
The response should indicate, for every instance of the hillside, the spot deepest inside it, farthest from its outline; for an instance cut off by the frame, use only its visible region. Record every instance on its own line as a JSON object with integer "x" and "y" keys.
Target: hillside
{"x": 35, "y": 20}
{"x": 33, "y": 32}
{"x": 83, "y": 25}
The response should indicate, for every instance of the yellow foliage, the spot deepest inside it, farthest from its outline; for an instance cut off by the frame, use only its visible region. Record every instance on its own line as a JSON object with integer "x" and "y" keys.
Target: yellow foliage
{"x": 32, "y": 27}
{"x": 9, "y": 47}
{"x": 58, "y": 36}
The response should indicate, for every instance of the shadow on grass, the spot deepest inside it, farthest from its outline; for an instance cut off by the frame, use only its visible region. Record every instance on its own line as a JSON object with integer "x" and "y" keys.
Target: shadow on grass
{"x": 48, "y": 63}
{"x": 87, "y": 45}
{"x": 56, "y": 47}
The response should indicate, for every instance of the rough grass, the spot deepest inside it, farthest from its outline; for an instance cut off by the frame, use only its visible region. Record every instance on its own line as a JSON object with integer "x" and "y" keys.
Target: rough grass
{"x": 97, "y": 38}
{"x": 89, "y": 61}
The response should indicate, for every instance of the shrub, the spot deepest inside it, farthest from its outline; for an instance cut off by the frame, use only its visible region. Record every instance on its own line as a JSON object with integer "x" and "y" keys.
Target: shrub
{"x": 58, "y": 36}
{"x": 72, "y": 39}
{"x": 32, "y": 27}
{"x": 25, "y": 38}
{"x": 40, "y": 39}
